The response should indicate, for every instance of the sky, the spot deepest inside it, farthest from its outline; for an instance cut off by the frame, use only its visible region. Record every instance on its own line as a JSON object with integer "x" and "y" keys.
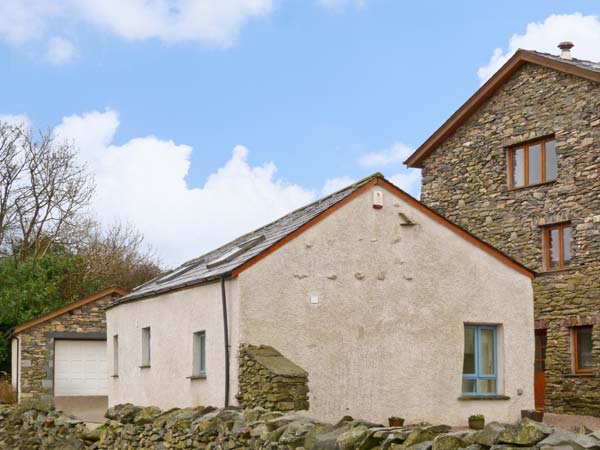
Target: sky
{"x": 203, "y": 119}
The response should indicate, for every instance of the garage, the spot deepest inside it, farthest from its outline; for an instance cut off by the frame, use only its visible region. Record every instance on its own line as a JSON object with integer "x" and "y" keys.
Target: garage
{"x": 80, "y": 368}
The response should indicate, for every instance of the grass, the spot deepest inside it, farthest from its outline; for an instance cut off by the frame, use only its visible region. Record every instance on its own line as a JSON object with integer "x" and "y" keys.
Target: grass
{"x": 8, "y": 395}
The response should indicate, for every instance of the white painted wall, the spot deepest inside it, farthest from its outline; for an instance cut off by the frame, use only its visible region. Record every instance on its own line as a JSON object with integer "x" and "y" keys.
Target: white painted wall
{"x": 174, "y": 318}
{"x": 392, "y": 342}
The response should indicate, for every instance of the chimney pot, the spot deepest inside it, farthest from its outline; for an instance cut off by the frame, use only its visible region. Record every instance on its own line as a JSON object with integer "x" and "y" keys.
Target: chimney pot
{"x": 565, "y": 49}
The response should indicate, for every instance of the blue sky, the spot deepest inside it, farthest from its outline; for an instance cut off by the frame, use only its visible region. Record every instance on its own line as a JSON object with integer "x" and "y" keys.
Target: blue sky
{"x": 309, "y": 86}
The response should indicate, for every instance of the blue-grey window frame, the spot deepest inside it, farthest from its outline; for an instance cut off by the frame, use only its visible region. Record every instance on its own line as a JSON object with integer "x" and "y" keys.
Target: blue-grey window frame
{"x": 477, "y": 376}
{"x": 201, "y": 336}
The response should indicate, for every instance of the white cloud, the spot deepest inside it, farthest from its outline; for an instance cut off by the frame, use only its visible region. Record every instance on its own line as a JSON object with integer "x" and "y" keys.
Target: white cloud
{"x": 60, "y": 51}
{"x": 583, "y": 31}
{"x": 332, "y": 185}
{"x": 397, "y": 153}
{"x": 409, "y": 181}
{"x": 339, "y": 4}
{"x": 210, "y": 22}
{"x": 144, "y": 181}
{"x": 16, "y": 119}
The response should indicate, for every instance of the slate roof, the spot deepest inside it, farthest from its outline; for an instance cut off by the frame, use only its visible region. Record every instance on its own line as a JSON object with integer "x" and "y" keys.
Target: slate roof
{"x": 584, "y": 64}
{"x": 208, "y": 266}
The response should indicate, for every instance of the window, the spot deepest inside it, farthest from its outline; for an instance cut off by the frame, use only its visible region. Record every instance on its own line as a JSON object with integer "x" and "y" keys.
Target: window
{"x": 582, "y": 349}
{"x": 558, "y": 246}
{"x": 532, "y": 163}
{"x": 146, "y": 347}
{"x": 479, "y": 365}
{"x": 199, "y": 353}
{"x": 115, "y": 355}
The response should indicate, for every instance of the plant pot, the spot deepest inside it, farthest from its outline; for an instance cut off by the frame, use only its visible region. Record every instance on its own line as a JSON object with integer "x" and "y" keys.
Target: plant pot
{"x": 476, "y": 423}
{"x": 537, "y": 416}
{"x": 396, "y": 421}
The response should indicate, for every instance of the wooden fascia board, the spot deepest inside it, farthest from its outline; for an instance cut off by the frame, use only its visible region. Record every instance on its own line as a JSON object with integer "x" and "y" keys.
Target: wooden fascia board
{"x": 69, "y": 307}
{"x": 485, "y": 92}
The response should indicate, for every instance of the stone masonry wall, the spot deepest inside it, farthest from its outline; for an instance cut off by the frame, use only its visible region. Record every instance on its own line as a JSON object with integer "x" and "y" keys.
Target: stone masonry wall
{"x": 466, "y": 180}
{"x": 37, "y": 345}
{"x": 269, "y": 380}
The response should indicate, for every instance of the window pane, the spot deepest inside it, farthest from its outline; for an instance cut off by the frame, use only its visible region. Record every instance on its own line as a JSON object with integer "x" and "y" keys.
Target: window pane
{"x": 487, "y": 386}
{"x": 202, "y": 352}
{"x": 584, "y": 348}
{"x": 518, "y": 166}
{"x": 553, "y": 246}
{"x": 567, "y": 245}
{"x": 469, "y": 360}
{"x": 535, "y": 164}
{"x": 486, "y": 352}
{"x": 469, "y": 386}
{"x": 551, "y": 164}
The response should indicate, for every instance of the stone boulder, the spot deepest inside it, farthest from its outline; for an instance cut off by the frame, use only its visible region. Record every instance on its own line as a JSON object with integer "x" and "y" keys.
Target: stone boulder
{"x": 526, "y": 434}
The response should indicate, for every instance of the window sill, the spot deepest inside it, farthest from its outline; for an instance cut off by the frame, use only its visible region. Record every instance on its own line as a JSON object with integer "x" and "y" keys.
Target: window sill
{"x": 145, "y": 366}
{"x": 559, "y": 270}
{"x": 529, "y": 186}
{"x": 114, "y": 376}
{"x": 197, "y": 377}
{"x": 581, "y": 375}
{"x": 483, "y": 397}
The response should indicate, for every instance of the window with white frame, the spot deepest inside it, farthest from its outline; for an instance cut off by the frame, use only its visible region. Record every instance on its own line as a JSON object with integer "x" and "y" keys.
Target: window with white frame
{"x": 146, "y": 347}
{"x": 480, "y": 364}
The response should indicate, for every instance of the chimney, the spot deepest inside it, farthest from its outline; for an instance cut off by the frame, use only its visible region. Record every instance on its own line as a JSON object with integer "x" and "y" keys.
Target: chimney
{"x": 565, "y": 49}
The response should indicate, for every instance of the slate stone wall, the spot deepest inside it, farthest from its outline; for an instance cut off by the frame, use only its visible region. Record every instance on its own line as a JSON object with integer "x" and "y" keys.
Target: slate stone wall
{"x": 269, "y": 380}
{"x": 466, "y": 180}
{"x": 37, "y": 345}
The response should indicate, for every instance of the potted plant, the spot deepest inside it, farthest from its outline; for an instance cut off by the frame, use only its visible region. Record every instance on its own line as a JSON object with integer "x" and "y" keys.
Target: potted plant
{"x": 533, "y": 414}
{"x": 395, "y": 421}
{"x": 477, "y": 421}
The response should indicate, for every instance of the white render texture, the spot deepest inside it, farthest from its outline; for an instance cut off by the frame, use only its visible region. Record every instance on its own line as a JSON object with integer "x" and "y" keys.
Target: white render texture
{"x": 386, "y": 336}
{"x": 173, "y": 318}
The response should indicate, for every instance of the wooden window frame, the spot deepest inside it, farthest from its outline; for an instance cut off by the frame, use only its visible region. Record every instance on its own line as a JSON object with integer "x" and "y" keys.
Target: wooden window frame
{"x": 199, "y": 359}
{"x": 561, "y": 245}
{"x": 576, "y": 368}
{"x": 525, "y": 147}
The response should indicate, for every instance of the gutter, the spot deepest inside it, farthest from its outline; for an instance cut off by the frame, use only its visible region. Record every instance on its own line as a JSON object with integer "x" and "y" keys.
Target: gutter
{"x": 226, "y": 340}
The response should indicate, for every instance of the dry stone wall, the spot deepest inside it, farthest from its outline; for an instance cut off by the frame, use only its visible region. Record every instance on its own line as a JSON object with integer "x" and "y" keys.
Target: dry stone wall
{"x": 269, "y": 380}
{"x": 130, "y": 427}
{"x": 466, "y": 180}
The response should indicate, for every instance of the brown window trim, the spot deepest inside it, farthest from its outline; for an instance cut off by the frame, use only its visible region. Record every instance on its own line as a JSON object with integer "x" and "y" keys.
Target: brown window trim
{"x": 525, "y": 147}
{"x": 576, "y": 369}
{"x": 561, "y": 246}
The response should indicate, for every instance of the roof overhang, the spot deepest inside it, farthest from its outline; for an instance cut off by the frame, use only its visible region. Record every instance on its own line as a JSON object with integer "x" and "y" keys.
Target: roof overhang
{"x": 71, "y": 306}
{"x": 520, "y": 58}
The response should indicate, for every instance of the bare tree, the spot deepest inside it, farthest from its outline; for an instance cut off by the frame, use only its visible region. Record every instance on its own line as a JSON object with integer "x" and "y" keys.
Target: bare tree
{"x": 119, "y": 254}
{"x": 12, "y": 165}
{"x": 52, "y": 190}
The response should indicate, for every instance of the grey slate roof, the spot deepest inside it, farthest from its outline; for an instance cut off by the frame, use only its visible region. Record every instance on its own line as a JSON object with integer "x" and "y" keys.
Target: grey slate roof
{"x": 207, "y": 267}
{"x": 584, "y": 64}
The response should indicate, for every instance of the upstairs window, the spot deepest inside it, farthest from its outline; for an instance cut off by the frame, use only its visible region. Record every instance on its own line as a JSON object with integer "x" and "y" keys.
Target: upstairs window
{"x": 532, "y": 163}
{"x": 582, "y": 350}
{"x": 480, "y": 374}
{"x": 557, "y": 241}
{"x": 146, "y": 347}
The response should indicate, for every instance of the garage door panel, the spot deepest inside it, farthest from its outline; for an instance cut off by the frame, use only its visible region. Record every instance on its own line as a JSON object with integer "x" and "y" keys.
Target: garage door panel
{"x": 80, "y": 368}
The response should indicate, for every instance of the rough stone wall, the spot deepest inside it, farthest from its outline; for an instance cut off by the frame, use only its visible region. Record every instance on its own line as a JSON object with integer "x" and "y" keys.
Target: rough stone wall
{"x": 37, "y": 345}
{"x": 466, "y": 180}
{"x": 271, "y": 381}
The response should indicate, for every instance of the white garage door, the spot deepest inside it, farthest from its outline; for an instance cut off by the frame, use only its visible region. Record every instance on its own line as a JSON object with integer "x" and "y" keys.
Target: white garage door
{"x": 80, "y": 368}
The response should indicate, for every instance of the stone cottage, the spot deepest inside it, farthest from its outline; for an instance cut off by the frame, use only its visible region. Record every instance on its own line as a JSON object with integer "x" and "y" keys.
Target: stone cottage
{"x": 367, "y": 300}
{"x": 519, "y": 166}
{"x": 63, "y": 353}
